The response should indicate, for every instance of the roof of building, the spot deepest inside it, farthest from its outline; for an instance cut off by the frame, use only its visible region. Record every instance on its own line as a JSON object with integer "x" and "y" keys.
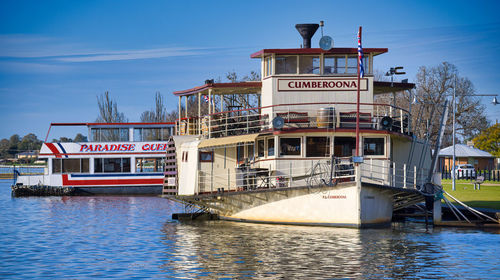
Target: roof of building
{"x": 224, "y": 88}
{"x": 462, "y": 150}
{"x": 310, "y": 51}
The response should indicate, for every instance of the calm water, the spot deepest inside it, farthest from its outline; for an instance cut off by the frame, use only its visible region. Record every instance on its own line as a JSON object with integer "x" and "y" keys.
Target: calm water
{"x": 23, "y": 170}
{"x": 134, "y": 237}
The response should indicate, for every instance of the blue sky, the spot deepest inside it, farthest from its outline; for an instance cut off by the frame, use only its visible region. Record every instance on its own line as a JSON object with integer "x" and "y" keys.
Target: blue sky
{"x": 57, "y": 56}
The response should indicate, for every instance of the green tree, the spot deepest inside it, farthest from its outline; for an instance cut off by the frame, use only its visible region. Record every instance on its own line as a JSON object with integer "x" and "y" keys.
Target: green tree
{"x": 80, "y": 138}
{"x": 108, "y": 110}
{"x": 29, "y": 143}
{"x": 489, "y": 140}
{"x": 13, "y": 149}
{"x": 4, "y": 148}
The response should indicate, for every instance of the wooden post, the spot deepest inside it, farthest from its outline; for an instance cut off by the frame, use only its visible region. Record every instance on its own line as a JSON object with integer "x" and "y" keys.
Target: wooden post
{"x": 209, "y": 111}
{"x": 404, "y": 175}
{"x": 414, "y": 176}
{"x": 393, "y": 174}
{"x": 199, "y": 113}
{"x": 401, "y": 120}
{"x": 179, "y": 114}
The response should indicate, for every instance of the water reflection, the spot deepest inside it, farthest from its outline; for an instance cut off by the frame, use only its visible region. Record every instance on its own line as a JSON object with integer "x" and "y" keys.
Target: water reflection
{"x": 134, "y": 237}
{"x": 229, "y": 249}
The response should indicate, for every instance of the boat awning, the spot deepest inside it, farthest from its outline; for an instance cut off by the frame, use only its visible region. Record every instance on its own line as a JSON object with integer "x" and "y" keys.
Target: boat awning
{"x": 227, "y": 140}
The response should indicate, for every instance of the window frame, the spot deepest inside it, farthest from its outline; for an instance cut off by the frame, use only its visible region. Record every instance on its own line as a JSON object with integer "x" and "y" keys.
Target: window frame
{"x": 122, "y": 165}
{"x": 384, "y": 147}
{"x": 277, "y": 58}
{"x": 299, "y": 60}
{"x": 329, "y": 144}
{"x": 273, "y": 147}
{"x": 211, "y": 153}
{"x": 60, "y": 165}
{"x": 290, "y": 155}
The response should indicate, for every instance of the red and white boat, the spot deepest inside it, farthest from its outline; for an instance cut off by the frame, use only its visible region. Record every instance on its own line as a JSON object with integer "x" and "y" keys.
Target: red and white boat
{"x": 119, "y": 158}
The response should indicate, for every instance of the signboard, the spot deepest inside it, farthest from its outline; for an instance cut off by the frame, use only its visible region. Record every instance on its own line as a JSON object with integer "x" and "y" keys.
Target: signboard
{"x": 322, "y": 84}
{"x": 92, "y": 148}
{"x": 126, "y": 147}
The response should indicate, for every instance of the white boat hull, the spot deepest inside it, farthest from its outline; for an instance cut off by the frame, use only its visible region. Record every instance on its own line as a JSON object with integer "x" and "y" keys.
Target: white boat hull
{"x": 345, "y": 206}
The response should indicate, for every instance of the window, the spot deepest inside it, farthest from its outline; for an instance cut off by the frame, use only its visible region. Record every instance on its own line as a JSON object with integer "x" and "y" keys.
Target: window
{"x": 260, "y": 148}
{"x": 56, "y": 165}
{"x": 317, "y": 146}
{"x": 334, "y": 65}
{"x": 352, "y": 64}
{"x": 240, "y": 153}
{"x": 270, "y": 147}
{"x": 151, "y": 134}
{"x": 290, "y": 146}
{"x": 286, "y": 65}
{"x": 143, "y": 165}
{"x": 309, "y": 65}
{"x": 111, "y": 165}
{"x": 70, "y": 165}
{"x": 250, "y": 152}
{"x": 268, "y": 66}
{"x": 373, "y": 146}
{"x": 344, "y": 146}
{"x": 206, "y": 156}
{"x": 109, "y": 134}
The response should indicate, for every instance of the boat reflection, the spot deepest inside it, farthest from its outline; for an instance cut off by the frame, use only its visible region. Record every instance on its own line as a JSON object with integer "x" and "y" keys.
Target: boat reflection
{"x": 230, "y": 249}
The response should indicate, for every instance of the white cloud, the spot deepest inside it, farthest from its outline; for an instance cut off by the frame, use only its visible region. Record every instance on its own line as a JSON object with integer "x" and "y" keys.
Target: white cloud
{"x": 19, "y": 46}
{"x": 133, "y": 54}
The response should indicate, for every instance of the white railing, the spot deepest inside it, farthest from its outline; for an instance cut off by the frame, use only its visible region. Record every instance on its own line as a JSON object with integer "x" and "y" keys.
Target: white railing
{"x": 311, "y": 173}
{"x": 247, "y": 178}
{"x": 399, "y": 175}
{"x": 305, "y": 115}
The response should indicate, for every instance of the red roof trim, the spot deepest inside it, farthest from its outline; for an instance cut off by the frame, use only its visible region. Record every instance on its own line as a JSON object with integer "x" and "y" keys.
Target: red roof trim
{"x": 317, "y": 51}
{"x": 218, "y": 85}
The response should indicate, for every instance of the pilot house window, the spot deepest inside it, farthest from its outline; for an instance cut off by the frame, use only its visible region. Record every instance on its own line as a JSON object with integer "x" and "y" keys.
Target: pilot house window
{"x": 286, "y": 65}
{"x": 309, "y": 65}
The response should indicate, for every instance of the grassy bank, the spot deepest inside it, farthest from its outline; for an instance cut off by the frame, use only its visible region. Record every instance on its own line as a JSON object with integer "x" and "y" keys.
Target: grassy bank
{"x": 487, "y": 197}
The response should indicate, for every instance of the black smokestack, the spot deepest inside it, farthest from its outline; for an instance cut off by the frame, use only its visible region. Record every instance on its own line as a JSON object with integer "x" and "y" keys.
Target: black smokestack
{"x": 307, "y": 30}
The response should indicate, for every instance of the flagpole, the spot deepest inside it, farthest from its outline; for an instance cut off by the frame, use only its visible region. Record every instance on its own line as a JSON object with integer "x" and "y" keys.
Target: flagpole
{"x": 357, "y": 102}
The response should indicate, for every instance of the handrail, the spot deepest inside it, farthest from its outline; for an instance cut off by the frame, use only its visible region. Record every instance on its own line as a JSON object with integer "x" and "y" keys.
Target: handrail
{"x": 388, "y": 173}
{"x": 311, "y": 103}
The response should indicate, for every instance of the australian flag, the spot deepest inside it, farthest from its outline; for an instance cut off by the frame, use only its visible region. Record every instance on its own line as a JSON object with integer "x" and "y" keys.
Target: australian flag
{"x": 360, "y": 56}
{"x": 205, "y": 97}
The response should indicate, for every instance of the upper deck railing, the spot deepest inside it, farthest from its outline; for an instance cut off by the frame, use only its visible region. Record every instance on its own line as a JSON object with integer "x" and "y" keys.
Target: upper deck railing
{"x": 330, "y": 116}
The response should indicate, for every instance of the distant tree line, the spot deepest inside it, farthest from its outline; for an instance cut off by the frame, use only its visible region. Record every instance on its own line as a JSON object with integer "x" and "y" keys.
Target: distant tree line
{"x": 30, "y": 142}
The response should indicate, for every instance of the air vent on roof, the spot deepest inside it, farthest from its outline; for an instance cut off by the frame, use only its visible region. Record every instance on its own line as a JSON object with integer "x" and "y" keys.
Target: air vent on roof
{"x": 307, "y": 30}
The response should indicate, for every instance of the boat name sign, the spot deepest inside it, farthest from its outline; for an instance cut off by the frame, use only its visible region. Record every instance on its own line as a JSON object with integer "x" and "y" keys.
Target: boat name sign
{"x": 121, "y": 147}
{"x": 331, "y": 84}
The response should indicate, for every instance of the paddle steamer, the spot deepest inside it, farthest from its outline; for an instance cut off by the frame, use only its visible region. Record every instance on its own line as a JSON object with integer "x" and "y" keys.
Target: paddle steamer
{"x": 306, "y": 144}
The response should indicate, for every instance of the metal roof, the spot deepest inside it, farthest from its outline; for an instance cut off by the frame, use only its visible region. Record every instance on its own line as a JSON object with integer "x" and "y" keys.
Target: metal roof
{"x": 317, "y": 51}
{"x": 462, "y": 150}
